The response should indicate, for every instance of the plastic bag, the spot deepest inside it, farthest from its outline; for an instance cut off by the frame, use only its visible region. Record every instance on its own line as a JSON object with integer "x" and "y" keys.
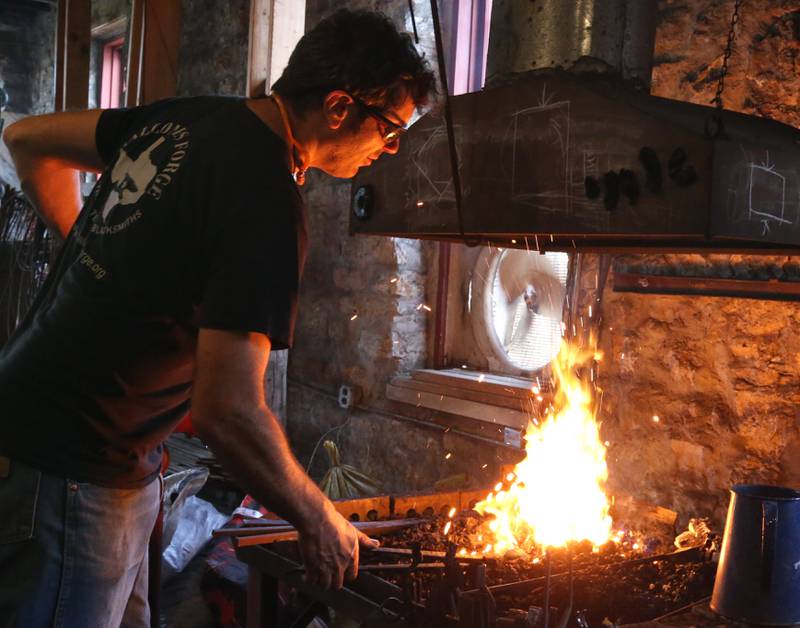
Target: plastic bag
{"x": 177, "y": 488}
{"x": 195, "y": 522}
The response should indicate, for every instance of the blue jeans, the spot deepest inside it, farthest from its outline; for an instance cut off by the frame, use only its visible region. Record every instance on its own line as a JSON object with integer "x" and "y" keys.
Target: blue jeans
{"x": 73, "y": 555}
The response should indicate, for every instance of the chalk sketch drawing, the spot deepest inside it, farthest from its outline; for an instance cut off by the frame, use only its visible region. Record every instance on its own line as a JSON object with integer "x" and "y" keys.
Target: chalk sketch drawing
{"x": 766, "y": 201}
{"x": 541, "y": 153}
{"x": 433, "y": 177}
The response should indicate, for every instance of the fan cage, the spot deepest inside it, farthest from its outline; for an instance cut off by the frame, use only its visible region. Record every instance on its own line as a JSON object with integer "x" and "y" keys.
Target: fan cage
{"x": 537, "y": 346}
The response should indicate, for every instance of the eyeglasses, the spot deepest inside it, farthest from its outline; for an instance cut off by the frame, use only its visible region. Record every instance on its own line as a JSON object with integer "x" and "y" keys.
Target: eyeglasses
{"x": 390, "y": 131}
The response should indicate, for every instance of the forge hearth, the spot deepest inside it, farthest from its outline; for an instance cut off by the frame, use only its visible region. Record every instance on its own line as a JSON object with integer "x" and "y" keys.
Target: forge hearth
{"x": 424, "y": 577}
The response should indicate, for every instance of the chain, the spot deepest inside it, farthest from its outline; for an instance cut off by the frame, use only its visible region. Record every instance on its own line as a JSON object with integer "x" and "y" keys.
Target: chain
{"x": 413, "y": 20}
{"x": 727, "y": 55}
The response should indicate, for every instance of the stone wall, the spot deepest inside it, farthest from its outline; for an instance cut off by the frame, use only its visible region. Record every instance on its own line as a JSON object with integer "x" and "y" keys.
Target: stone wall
{"x": 27, "y": 65}
{"x": 720, "y": 373}
{"x": 213, "y": 52}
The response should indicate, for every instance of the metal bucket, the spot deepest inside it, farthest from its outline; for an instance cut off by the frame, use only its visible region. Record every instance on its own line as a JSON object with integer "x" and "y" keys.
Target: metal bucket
{"x": 758, "y": 579}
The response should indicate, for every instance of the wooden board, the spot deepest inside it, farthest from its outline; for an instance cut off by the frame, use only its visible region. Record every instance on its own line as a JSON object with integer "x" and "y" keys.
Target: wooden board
{"x": 72, "y": 55}
{"x": 162, "y": 38}
{"x": 453, "y": 405}
{"x": 506, "y": 401}
{"x": 135, "y": 48}
{"x": 502, "y": 385}
{"x": 275, "y": 28}
{"x": 258, "y": 53}
{"x": 275, "y": 384}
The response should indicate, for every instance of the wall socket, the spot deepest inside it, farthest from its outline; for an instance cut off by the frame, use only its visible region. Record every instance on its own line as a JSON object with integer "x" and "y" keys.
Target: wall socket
{"x": 348, "y": 396}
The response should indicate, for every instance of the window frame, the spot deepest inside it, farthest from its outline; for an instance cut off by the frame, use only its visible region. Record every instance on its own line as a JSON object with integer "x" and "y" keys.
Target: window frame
{"x": 111, "y": 74}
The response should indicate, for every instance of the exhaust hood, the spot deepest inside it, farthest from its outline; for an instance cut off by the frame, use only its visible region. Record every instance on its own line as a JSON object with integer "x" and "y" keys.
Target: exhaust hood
{"x": 558, "y": 160}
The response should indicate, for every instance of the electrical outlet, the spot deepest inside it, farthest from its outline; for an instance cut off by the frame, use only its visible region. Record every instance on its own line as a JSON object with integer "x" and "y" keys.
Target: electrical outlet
{"x": 346, "y": 396}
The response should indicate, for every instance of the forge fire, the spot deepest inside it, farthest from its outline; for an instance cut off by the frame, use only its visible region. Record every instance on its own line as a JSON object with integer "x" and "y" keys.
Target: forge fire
{"x": 557, "y": 493}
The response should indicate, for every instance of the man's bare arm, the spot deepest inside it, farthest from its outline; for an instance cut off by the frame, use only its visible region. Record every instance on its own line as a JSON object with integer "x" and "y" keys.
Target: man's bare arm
{"x": 48, "y": 152}
{"x": 230, "y": 414}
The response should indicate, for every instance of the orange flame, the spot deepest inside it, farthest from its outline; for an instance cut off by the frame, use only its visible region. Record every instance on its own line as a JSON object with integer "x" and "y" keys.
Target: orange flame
{"x": 556, "y": 493}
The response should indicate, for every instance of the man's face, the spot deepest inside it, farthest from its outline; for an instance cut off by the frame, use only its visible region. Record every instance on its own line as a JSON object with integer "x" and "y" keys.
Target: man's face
{"x": 361, "y": 142}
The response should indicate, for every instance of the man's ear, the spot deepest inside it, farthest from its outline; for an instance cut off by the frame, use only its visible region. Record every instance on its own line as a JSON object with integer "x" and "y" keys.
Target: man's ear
{"x": 336, "y": 106}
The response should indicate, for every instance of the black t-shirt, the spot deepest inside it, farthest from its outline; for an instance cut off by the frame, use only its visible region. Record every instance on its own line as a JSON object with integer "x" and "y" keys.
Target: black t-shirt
{"x": 195, "y": 223}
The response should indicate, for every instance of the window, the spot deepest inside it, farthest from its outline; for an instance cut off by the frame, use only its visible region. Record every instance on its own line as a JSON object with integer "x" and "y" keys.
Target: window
{"x": 107, "y": 71}
{"x": 107, "y": 58}
{"x": 467, "y": 66}
{"x": 111, "y": 84}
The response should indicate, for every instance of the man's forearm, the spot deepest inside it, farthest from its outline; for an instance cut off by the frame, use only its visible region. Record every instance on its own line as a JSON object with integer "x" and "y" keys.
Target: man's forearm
{"x": 49, "y": 152}
{"x": 54, "y": 192}
{"x": 253, "y": 448}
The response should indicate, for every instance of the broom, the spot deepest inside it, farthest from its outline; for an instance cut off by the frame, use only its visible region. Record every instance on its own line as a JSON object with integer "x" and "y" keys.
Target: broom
{"x": 343, "y": 481}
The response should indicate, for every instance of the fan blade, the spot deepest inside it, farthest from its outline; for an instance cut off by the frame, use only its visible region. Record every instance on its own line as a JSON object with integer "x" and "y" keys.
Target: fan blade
{"x": 520, "y": 272}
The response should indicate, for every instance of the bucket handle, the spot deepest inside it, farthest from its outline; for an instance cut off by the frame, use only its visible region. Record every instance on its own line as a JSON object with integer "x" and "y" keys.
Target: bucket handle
{"x": 769, "y": 523}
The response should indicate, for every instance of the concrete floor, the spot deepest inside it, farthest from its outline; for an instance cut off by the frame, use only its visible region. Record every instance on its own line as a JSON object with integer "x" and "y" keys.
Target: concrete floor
{"x": 182, "y": 605}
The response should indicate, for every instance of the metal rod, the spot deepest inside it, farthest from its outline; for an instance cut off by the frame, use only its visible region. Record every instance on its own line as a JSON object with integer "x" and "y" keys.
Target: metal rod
{"x": 774, "y": 289}
{"x": 373, "y": 528}
{"x": 571, "y": 579}
{"x": 448, "y": 115}
{"x": 413, "y": 20}
{"x": 571, "y": 587}
{"x": 405, "y": 567}
{"x": 440, "y": 326}
{"x": 399, "y": 551}
{"x": 547, "y": 587}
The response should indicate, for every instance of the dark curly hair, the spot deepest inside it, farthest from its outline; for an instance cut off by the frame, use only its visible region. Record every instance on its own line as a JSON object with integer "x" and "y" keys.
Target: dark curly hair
{"x": 358, "y": 51}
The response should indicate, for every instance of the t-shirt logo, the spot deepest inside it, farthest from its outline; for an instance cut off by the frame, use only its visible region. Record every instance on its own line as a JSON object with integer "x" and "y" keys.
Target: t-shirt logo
{"x": 130, "y": 178}
{"x": 145, "y": 166}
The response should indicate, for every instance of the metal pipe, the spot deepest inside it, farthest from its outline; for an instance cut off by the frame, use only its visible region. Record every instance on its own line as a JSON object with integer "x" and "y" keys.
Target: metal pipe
{"x": 560, "y": 33}
{"x": 440, "y": 324}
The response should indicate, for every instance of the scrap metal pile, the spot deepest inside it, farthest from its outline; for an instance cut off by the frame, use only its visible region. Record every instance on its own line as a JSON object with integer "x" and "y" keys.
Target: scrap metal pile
{"x": 423, "y": 576}
{"x": 626, "y": 580}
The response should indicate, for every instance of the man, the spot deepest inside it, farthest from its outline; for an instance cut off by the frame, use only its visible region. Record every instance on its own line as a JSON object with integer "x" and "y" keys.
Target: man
{"x": 174, "y": 282}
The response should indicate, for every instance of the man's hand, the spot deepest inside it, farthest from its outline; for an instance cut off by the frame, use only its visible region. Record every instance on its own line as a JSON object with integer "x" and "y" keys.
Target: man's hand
{"x": 330, "y": 549}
